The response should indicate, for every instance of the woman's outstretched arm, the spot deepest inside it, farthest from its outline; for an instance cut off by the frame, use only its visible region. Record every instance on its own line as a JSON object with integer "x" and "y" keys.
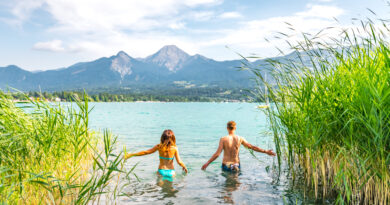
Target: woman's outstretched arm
{"x": 255, "y": 148}
{"x": 149, "y": 151}
{"x": 178, "y": 160}
{"x": 215, "y": 155}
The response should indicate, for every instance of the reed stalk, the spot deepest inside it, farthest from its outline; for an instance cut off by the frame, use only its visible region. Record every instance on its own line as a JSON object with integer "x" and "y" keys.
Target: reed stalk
{"x": 48, "y": 154}
{"x": 331, "y": 113}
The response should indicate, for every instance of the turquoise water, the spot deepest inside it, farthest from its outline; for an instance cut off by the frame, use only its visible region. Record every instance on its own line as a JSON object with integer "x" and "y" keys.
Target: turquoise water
{"x": 198, "y": 127}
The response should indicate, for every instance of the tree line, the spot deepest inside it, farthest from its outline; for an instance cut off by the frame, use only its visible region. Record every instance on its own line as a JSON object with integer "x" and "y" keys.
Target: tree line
{"x": 107, "y": 95}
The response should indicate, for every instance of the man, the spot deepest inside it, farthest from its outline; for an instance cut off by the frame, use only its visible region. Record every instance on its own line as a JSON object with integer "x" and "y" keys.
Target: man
{"x": 230, "y": 144}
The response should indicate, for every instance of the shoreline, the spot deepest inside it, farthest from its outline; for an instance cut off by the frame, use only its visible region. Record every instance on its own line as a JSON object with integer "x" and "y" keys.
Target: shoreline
{"x": 228, "y": 101}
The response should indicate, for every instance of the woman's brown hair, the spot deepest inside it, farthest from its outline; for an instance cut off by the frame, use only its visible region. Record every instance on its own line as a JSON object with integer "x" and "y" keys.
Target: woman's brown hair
{"x": 167, "y": 139}
{"x": 231, "y": 125}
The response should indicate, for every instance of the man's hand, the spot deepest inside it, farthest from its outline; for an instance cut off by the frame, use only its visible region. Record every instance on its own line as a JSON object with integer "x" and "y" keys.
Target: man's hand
{"x": 205, "y": 166}
{"x": 270, "y": 152}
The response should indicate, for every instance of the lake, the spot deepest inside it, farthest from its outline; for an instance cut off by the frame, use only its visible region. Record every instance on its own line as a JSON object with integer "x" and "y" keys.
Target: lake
{"x": 197, "y": 127}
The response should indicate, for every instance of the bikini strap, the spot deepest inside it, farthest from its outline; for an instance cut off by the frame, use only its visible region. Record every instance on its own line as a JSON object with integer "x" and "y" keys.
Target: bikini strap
{"x": 166, "y": 158}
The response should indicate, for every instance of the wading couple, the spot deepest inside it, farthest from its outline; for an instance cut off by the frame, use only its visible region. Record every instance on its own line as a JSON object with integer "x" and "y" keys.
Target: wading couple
{"x": 230, "y": 145}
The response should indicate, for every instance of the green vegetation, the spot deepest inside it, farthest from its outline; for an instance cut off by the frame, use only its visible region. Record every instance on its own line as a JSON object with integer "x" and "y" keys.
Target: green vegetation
{"x": 48, "y": 155}
{"x": 331, "y": 116}
{"x": 123, "y": 95}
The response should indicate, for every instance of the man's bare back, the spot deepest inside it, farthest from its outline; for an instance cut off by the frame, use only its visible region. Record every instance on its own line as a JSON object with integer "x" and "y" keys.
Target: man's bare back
{"x": 231, "y": 149}
{"x": 230, "y": 145}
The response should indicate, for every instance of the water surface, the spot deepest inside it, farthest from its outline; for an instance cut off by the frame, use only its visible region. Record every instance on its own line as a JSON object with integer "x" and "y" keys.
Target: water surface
{"x": 198, "y": 127}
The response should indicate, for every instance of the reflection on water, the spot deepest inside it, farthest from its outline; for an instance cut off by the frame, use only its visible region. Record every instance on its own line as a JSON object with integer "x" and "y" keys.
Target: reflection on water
{"x": 167, "y": 188}
{"x": 231, "y": 184}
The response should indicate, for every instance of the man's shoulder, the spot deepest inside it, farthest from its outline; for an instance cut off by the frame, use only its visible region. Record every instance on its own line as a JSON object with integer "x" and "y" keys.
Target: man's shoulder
{"x": 243, "y": 140}
{"x": 224, "y": 138}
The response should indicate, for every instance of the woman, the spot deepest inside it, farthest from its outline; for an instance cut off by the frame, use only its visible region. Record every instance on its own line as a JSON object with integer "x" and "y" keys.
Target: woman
{"x": 167, "y": 152}
{"x": 230, "y": 145}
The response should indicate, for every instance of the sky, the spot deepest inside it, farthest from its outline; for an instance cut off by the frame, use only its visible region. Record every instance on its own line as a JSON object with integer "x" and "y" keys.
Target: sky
{"x": 52, "y": 34}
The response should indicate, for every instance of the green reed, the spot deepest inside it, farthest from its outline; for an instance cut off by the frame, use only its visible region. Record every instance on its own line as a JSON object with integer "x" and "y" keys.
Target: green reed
{"x": 48, "y": 155}
{"x": 331, "y": 113}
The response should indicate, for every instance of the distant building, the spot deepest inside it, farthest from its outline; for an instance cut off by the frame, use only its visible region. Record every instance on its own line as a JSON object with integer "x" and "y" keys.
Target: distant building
{"x": 57, "y": 99}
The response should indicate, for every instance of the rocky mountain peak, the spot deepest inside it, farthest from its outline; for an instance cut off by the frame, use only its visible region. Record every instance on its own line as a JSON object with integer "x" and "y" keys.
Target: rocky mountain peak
{"x": 122, "y": 54}
{"x": 169, "y": 56}
{"x": 122, "y": 64}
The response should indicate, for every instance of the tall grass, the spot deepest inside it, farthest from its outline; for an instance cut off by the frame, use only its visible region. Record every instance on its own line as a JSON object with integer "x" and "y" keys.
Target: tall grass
{"x": 48, "y": 155}
{"x": 331, "y": 113}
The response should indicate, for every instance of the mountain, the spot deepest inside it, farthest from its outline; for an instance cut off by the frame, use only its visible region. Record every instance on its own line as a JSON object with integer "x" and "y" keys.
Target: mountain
{"x": 168, "y": 67}
{"x": 122, "y": 64}
{"x": 170, "y": 57}
{"x": 14, "y": 76}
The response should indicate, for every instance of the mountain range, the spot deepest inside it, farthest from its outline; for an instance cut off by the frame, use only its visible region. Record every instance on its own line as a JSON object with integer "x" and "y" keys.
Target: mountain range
{"x": 168, "y": 67}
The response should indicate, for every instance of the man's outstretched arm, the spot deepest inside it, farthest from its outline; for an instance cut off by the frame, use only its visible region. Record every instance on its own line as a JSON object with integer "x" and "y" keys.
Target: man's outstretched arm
{"x": 257, "y": 149}
{"x": 215, "y": 155}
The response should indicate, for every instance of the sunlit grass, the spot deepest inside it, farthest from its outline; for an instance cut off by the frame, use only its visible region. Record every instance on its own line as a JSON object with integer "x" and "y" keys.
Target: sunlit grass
{"x": 48, "y": 155}
{"x": 331, "y": 114}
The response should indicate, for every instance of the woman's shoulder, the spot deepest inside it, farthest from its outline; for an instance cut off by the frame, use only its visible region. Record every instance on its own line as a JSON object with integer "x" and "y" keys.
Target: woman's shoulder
{"x": 160, "y": 146}
{"x": 173, "y": 148}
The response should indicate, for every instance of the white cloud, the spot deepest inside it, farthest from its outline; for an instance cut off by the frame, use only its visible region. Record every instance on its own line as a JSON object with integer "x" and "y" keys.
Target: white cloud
{"x": 202, "y": 15}
{"x": 92, "y": 15}
{"x": 136, "y": 45}
{"x": 230, "y": 15}
{"x": 54, "y": 45}
{"x": 322, "y": 11}
{"x": 140, "y": 27}
{"x": 22, "y": 9}
{"x": 177, "y": 25}
{"x": 201, "y": 2}
{"x": 98, "y": 26}
{"x": 251, "y": 35}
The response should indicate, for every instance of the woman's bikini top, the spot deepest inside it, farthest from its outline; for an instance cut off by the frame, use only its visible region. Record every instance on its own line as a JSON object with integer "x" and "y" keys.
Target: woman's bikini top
{"x": 166, "y": 158}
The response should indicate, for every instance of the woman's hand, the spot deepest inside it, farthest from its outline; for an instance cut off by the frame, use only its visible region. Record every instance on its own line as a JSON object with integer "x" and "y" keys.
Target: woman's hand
{"x": 185, "y": 169}
{"x": 127, "y": 156}
{"x": 270, "y": 152}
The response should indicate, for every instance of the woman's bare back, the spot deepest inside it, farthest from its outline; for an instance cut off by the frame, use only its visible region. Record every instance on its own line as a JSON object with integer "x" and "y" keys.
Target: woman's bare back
{"x": 166, "y": 157}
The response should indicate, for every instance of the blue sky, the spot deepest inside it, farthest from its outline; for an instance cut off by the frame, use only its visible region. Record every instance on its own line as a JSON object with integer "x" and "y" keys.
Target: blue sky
{"x": 50, "y": 34}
